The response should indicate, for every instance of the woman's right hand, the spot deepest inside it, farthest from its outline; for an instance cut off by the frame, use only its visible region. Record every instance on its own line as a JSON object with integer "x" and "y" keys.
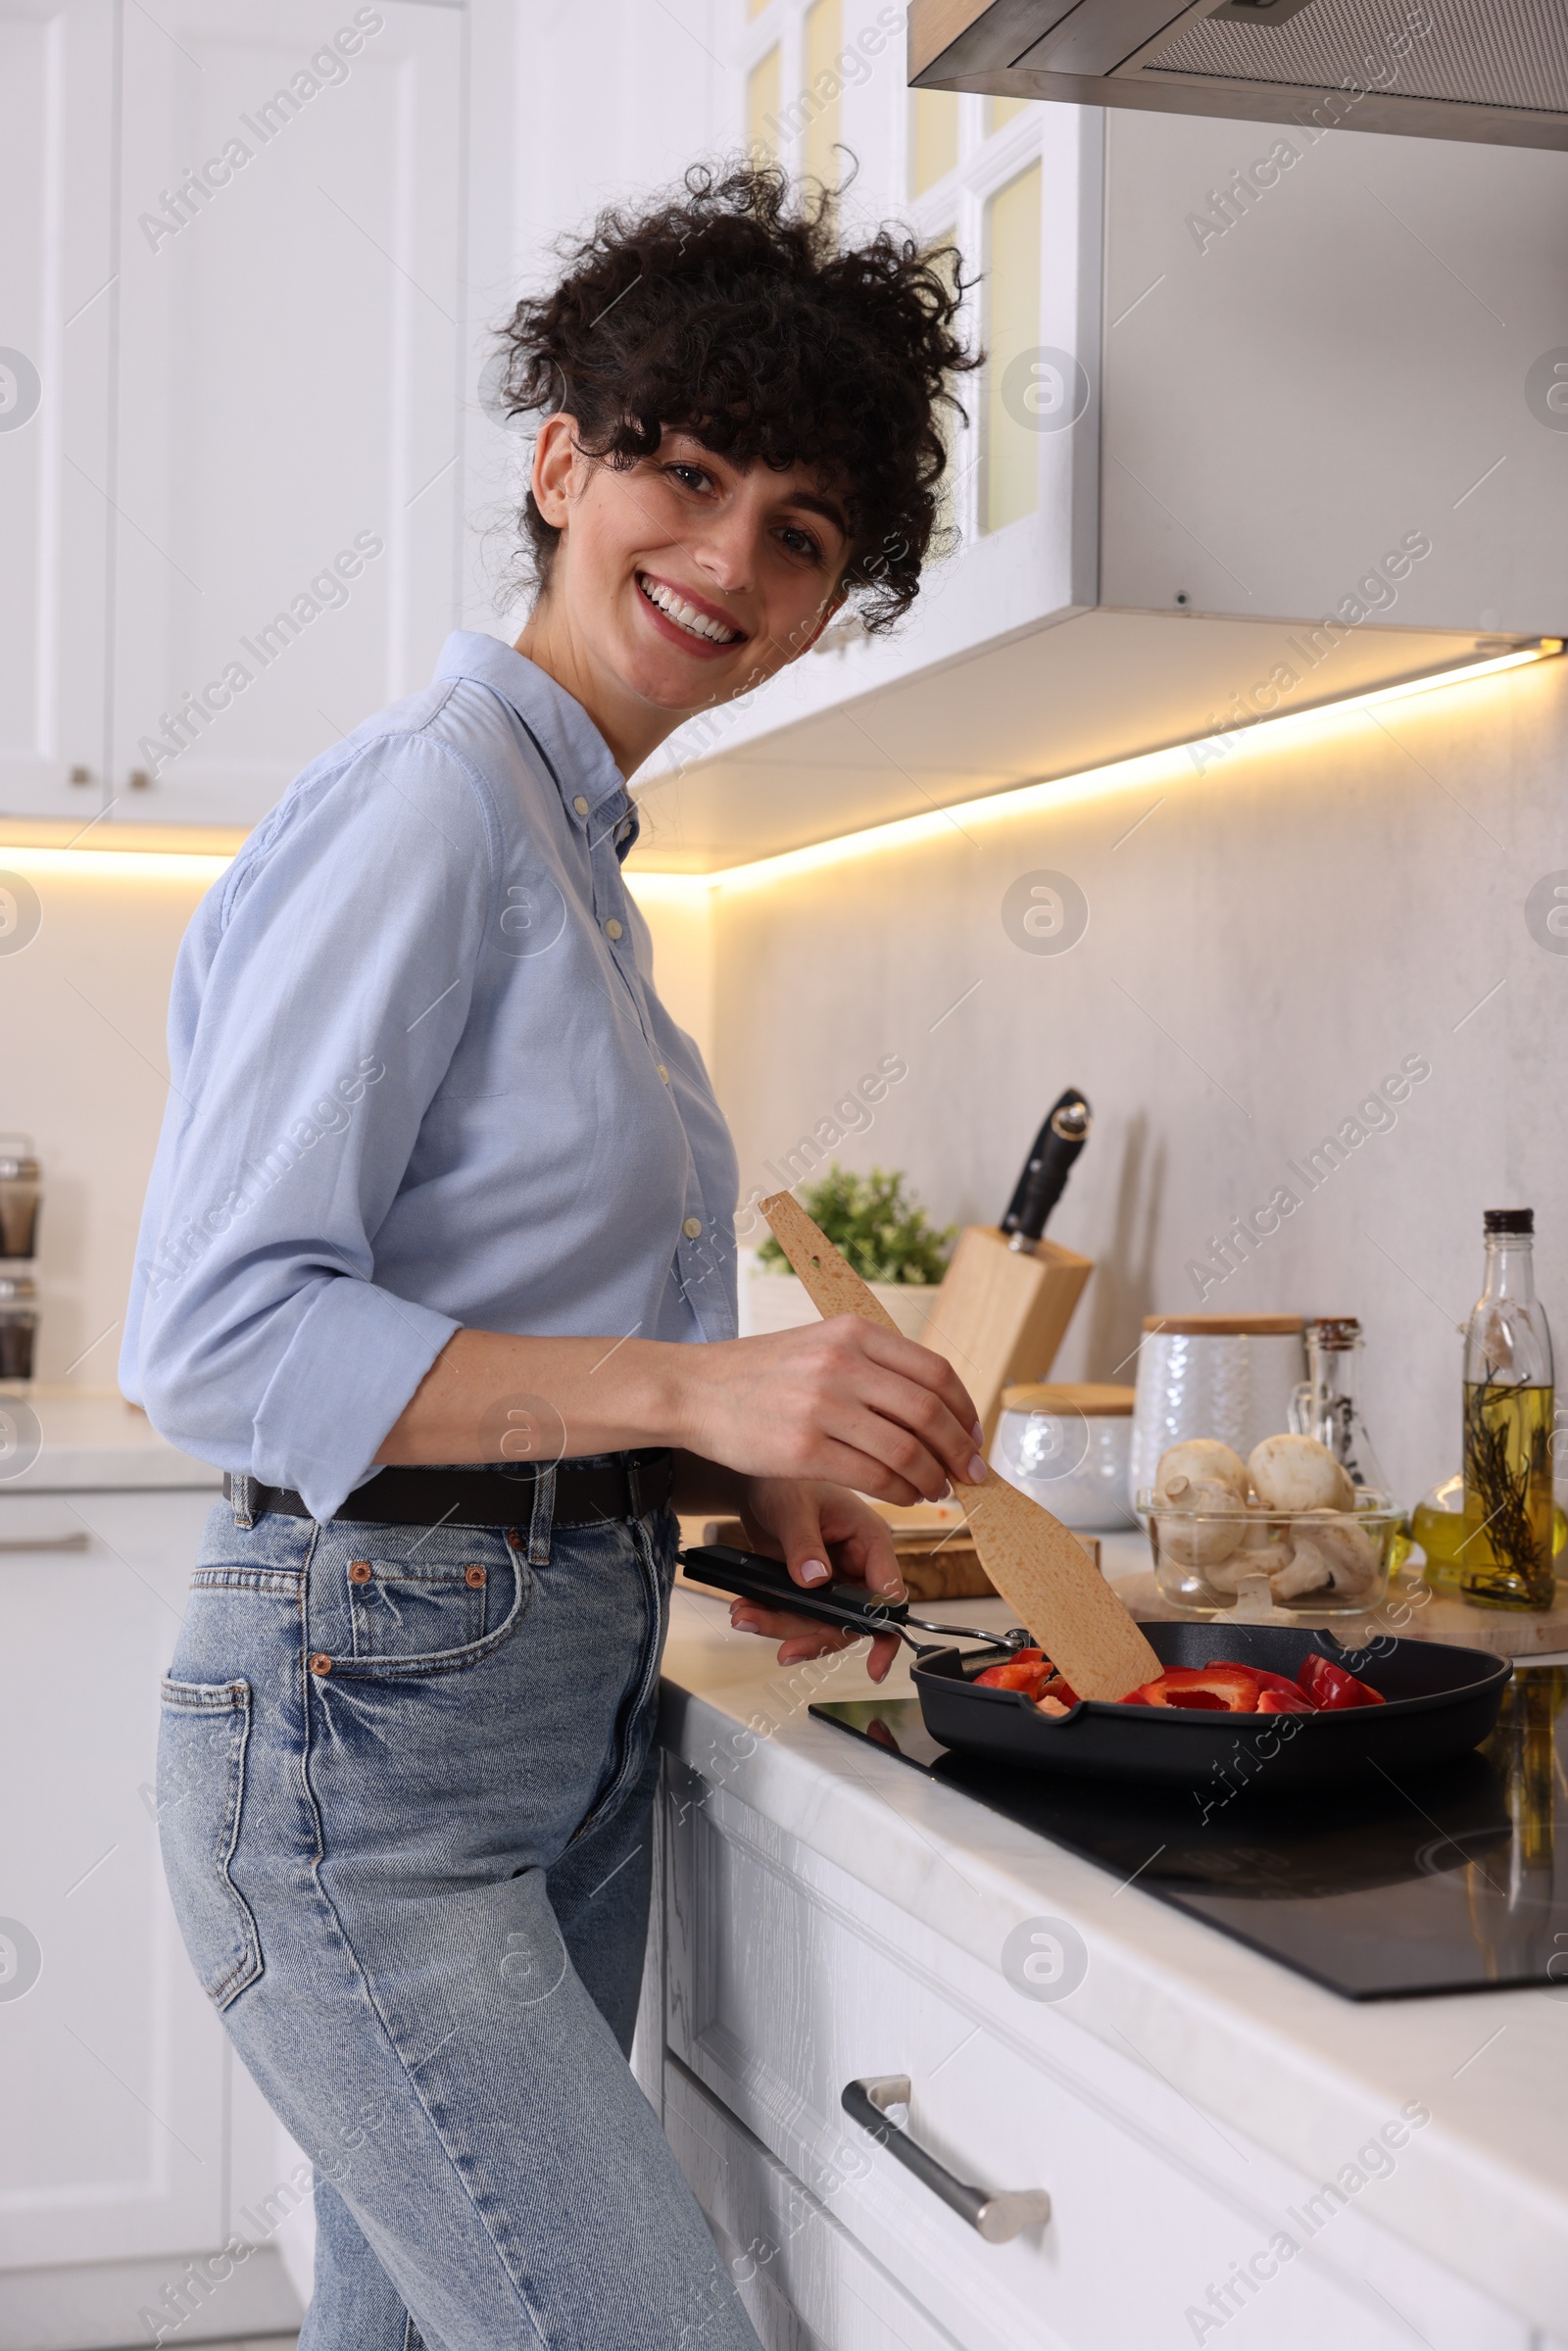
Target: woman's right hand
{"x": 844, "y": 1401}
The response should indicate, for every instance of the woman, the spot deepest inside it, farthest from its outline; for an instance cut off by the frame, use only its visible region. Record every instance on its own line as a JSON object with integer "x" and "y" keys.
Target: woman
{"x": 442, "y": 1202}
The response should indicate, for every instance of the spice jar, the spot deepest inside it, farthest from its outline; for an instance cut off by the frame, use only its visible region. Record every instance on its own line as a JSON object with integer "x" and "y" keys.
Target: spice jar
{"x": 18, "y": 1197}
{"x": 18, "y": 1324}
{"x": 1327, "y": 1406}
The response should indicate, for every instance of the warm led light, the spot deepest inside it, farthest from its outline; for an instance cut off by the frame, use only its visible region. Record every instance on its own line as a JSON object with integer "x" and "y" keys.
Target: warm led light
{"x": 1145, "y": 769}
{"x": 691, "y": 889}
{"x": 117, "y": 864}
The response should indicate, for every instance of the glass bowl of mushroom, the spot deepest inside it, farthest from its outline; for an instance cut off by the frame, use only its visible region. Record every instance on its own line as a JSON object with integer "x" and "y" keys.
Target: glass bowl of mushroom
{"x": 1284, "y": 1530}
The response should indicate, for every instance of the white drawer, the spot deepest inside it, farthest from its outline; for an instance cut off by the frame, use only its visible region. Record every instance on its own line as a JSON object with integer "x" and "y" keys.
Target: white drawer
{"x": 805, "y": 2282}
{"x": 39, "y": 1522}
{"x": 781, "y": 1992}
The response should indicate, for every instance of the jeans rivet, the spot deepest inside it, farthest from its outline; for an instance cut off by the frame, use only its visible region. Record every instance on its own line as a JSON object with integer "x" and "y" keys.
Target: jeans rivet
{"x": 320, "y": 1664}
{"x": 474, "y": 1576}
{"x": 359, "y": 1571}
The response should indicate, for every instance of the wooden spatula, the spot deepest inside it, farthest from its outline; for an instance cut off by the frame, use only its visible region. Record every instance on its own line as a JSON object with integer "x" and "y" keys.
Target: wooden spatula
{"x": 1030, "y": 1557}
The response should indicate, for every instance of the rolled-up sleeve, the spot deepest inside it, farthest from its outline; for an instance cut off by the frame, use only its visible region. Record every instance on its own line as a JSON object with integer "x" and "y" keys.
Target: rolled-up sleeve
{"x": 319, "y": 997}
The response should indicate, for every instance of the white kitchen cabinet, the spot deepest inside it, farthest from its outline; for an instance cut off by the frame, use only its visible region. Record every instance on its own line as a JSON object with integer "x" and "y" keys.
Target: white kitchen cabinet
{"x": 1301, "y": 356}
{"x": 807, "y": 2284}
{"x": 1335, "y": 357}
{"x": 289, "y": 421}
{"x": 133, "y": 2142}
{"x": 57, "y": 309}
{"x": 786, "y": 1978}
{"x": 239, "y": 434}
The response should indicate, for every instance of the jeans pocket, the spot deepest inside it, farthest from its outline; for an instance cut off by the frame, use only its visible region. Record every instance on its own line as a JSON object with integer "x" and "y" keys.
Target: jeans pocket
{"x": 401, "y": 1611}
{"x": 374, "y": 1613}
{"x": 201, "y": 1792}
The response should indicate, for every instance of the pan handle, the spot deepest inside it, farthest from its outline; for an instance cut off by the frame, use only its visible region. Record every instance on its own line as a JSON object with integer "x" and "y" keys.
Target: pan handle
{"x": 746, "y": 1577}
{"x": 995, "y": 2218}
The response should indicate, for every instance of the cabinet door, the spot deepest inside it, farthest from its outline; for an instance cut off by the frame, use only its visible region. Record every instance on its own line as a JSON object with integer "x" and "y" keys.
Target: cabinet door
{"x": 111, "y": 2059}
{"x": 56, "y": 312}
{"x": 1333, "y": 353}
{"x": 786, "y": 1981}
{"x": 288, "y": 463}
{"x": 805, "y": 2283}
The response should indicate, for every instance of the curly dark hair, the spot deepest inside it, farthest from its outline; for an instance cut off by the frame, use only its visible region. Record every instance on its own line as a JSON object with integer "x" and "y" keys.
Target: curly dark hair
{"x": 729, "y": 310}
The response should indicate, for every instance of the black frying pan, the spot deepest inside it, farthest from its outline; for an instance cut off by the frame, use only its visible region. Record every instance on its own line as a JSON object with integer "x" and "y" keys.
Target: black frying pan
{"x": 1440, "y": 1701}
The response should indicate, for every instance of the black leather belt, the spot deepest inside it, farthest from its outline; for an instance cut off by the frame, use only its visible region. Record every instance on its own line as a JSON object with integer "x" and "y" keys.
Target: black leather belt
{"x": 626, "y": 1485}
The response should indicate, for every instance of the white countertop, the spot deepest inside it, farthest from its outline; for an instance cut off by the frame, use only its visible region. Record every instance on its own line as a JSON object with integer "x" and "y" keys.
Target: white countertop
{"x": 93, "y": 1439}
{"x": 1300, "y": 2070}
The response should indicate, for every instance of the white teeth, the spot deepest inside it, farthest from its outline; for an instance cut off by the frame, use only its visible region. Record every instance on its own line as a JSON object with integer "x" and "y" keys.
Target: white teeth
{"x": 685, "y": 615}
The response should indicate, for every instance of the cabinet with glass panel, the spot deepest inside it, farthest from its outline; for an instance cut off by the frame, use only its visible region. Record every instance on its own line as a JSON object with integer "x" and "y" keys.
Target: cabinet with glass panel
{"x": 1015, "y": 189}
{"x": 1207, "y": 412}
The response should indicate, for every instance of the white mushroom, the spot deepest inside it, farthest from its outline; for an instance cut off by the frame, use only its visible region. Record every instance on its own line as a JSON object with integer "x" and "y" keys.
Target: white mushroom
{"x": 1194, "y": 1534}
{"x": 1297, "y": 1473}
{"x": 1264, "y": 1548}
{"x": 1200, "y": 1461}
{"x": 1329, "y": 1552}
{"x": 1205, "y": 1486}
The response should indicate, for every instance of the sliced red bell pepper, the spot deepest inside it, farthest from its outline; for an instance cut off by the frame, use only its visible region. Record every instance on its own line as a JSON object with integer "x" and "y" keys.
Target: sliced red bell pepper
{"x": 1276, "y": 1680}
{"x": 1330, "y": 1689}
{"x": 1013, "y": 1676}
{"x": 1214, "y": 1689}
{"x": 1028, "y": 1670}
{"x": 1284, "y": 1702}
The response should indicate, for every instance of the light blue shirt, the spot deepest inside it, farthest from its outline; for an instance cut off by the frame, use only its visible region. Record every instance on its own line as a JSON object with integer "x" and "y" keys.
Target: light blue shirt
{"x": 421, "y": 1080}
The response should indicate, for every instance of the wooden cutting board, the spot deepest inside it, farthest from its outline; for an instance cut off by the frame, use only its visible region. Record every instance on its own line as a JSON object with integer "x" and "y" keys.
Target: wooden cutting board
{"x": 1034, "y": 1562}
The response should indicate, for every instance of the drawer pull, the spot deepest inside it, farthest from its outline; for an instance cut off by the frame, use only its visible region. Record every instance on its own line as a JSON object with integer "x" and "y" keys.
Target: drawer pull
{"x": 995, "y": 2217}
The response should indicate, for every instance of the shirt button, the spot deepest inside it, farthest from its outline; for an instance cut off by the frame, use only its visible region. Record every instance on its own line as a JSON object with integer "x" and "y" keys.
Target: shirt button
{"x": 359, "y": 1571}
{"x": 663, "y": 1073}
{"x": 611, "y": 928}
{"x": 693, "y": 1227}
{"x": 320, "y": 1664}
{"x": 580, "y": 804}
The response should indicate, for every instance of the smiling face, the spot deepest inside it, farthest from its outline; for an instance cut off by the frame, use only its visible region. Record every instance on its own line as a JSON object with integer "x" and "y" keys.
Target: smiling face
{"x": 678, "y": 581}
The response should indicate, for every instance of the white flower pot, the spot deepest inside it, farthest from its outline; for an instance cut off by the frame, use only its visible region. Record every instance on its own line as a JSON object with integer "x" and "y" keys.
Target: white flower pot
{"x": 776, "y": 1302}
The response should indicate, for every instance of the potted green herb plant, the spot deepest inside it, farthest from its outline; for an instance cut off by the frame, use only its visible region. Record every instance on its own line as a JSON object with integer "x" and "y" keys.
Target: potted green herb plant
{"x": 889, "y": 1240}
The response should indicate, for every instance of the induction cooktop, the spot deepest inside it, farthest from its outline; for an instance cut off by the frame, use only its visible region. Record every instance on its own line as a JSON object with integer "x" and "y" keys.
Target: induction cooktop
{"x": 1454, "y": 1880}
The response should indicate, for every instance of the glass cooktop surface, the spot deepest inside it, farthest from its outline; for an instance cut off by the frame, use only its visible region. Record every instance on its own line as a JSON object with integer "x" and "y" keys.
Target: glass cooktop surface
{"x": 1454, "y": 1881}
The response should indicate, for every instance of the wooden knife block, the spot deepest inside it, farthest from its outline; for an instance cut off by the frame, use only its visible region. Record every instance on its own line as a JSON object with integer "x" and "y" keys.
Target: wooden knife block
{"x": 1001, "y": 1313}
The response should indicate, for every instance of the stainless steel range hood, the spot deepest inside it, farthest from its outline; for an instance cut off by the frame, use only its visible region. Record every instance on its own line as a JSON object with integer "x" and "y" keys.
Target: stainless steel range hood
{"x": 1493, "y": 70}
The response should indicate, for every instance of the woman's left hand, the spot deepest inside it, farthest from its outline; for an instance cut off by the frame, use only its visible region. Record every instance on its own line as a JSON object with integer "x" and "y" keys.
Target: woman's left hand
{"x": 818, "y": 1530}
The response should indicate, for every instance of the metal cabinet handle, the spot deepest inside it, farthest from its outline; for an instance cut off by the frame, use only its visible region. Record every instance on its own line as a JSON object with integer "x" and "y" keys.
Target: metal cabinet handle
{"x": 995, "y": 2217}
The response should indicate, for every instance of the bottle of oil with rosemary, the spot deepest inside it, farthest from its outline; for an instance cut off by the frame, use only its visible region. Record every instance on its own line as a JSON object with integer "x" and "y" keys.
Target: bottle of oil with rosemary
{"x": 1505, "y": 1557}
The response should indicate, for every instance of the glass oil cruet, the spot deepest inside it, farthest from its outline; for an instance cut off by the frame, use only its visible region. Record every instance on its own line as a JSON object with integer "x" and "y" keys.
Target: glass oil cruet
{"x": 1326, "y": 1405}
{"x": 1506, "y": 1559}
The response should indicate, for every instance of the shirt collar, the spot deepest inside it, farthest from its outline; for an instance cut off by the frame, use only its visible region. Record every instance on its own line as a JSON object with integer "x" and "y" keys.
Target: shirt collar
{"x": 572, "y": 746}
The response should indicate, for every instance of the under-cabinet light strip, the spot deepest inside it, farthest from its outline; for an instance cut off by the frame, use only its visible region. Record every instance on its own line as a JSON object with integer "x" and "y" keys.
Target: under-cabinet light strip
{"x": 117, "y": 864}
{"x": 1011, "y": 802}
{"x": 1006, "y": 804}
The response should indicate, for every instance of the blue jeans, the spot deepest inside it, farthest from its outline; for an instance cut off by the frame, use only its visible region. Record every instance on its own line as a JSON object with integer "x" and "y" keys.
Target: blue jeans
{"x": 406, "y": 1780}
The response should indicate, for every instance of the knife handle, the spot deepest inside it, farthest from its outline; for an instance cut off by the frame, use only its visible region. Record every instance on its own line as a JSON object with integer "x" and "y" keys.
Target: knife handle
{"x": 1043, "y": 1180}
{"x": 769, "y": 1583}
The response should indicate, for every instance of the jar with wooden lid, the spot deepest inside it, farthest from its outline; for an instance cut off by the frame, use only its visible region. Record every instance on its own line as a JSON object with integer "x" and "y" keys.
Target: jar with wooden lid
{"x": 1228, "y": 1376}
{"x": 1066, "y": 1444}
